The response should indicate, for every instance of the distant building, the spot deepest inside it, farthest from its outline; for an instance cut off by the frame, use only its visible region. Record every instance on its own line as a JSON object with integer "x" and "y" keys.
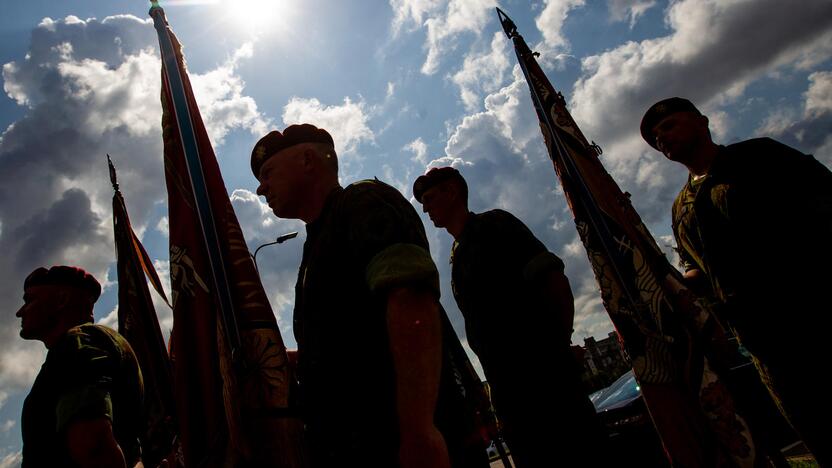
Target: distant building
{"x": 604, "y": 361}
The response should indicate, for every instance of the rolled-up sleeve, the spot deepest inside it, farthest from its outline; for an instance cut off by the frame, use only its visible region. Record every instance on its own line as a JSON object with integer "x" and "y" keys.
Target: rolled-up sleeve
{"x": 540, "y": 264}
{"x": 402, "y": 264}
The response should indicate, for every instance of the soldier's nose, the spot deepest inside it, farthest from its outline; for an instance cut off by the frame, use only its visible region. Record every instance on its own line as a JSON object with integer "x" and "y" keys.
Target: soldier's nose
{"x": 261, "y": 190}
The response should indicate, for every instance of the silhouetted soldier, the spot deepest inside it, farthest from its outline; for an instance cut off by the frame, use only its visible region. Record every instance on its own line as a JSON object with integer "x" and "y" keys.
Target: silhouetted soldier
{"x": 518, "y": 310}
{"x": 753, "y": 225}
{"x": 85, "y": 407}
{"x": 367, "y": 318}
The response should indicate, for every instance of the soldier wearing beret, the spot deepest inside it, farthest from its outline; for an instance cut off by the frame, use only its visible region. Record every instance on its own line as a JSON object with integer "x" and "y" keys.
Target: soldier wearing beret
{"x": 518, "y": 310}
{"x": 85, "y": 407}
{"x": 753, "y": 225}
{"x": 366, "y": 318}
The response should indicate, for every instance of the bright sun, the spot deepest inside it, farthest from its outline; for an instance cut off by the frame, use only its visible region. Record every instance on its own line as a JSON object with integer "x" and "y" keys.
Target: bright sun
{"x": 256, "y": 15}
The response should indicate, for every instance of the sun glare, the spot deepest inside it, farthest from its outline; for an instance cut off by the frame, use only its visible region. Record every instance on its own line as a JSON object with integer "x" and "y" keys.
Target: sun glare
{"x": 259, "y": 16}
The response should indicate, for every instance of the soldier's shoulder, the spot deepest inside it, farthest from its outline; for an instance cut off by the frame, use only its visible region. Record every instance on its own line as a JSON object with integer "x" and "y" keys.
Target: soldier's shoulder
{"x": 498, "y": 217}
{"x": 364, "y": 194}
{"x": 759, "y": 147}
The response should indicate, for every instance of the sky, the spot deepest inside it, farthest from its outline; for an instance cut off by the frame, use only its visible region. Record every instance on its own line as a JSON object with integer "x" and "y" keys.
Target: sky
{"x": 402, "y": 85}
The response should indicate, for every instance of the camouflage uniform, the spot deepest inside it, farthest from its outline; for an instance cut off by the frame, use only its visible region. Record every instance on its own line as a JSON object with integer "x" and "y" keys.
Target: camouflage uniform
{"x": 90, "y": 373}
{"x": 367, "y": 240}
{"x": 497, "y": 268}
{"x": 759, "y": 226}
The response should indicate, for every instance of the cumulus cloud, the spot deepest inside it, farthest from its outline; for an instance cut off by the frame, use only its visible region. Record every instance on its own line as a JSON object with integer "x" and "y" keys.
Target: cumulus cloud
{"x": 346, "y": 123}
{"x": 12, "y": 460}
{"x": 412, "y": 13}
{"x": 277, "y": 264}
{"x": 500, "y": 152}
{"x": 419, "y": 150}
{"x": 714, "y": 51}
{"x": 89, "y": 87}
{"x": 224, "y": 107}
{"x": 631, "y": 10}
{"x": 85, "y": 87}
{"x": 163, "y": 226}
{"x": 444, "y": 21}
{"x": 550, "y": 22}
{"x": 811, "y": 129}
{"x": 482, "y": 72}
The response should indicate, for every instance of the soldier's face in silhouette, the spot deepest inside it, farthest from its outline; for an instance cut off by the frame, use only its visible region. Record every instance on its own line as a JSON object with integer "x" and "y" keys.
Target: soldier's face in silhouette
{"x": 282, "y": 181}
{"x": 39, "y": 313}
{"x": 681, "y": 134}
{"x": 436, "y": 202}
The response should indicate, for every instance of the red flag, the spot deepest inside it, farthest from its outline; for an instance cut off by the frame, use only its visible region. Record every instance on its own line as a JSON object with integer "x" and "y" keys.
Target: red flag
{"x": 138, "y": 323}
{"x": 230, "y": 366}
{"x": 656, "y": 317}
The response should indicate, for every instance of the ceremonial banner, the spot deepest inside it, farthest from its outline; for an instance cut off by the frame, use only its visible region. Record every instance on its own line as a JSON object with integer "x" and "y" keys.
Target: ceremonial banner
{"x": 137, "y": 322}
{"x": 231, "y": 372}
{"x": 659, "y": 321}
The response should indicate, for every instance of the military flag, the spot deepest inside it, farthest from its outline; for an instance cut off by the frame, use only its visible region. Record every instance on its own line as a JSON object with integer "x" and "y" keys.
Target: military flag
{"x": 138, "y": 323}
{"x": 231, "y": 376}
{"x": 659, "y": 321}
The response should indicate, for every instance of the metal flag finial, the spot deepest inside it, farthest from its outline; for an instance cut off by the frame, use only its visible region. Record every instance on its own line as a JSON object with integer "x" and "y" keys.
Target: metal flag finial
{"x": 508, "y": 25}
{"x": 113, "y": 177}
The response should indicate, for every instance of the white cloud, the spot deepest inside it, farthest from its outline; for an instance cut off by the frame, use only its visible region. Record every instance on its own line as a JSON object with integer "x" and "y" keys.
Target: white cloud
{"x": 483, "y": 72}
{"x": 500, "y": 152}
{"x": 444, "y": 21}
{"x": 807, "y": 130}
{"x": 412, "y": 12}
{"x": 715, "y": 50}
{"x": 219, "y": 93}
{"x": 419, "y": 150}
{"x": 163, "y": 226}
{"x": 819, "y": 95}
{"x": 461, "y": 16}
{"x": 89, "y": 87}
{"x": 8, "y": 425}
{"x": 346, "y": 123}
{"x": 110, "y": 320}
{"x": 163, "y": 313}
{"x": 12, "y": 460}
{"x": 99, "y": 87}
{"x": 20, "y": 363}
{"x": 277, "y": 264}
{"x": 550, "y": 22}
{"x": 621, "y": 10}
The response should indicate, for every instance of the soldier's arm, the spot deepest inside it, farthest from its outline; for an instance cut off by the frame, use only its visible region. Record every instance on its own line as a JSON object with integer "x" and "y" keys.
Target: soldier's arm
{"x": 92, "y": 444}
{"x": 697, "y": 282}
{"x": 415, "y": 336}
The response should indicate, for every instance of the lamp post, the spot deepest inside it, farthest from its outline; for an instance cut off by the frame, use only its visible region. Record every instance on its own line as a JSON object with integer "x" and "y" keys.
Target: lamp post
{"x": 279, "y": 240}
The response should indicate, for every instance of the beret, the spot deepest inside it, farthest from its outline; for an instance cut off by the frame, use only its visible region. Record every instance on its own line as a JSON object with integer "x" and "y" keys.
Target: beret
{"x": 434, "y": 177}
{"x": 62, "y": 275}
{"x": 275, "y": 142}
{"x": 659, "y": 111}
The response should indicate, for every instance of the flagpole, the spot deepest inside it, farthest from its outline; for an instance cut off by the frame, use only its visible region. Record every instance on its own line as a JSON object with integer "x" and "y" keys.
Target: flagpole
{"x": 197, "y": 178}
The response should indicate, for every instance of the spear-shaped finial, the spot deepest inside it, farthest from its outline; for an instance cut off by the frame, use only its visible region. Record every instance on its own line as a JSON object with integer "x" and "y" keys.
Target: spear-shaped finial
{"x": 113, "y": 178}
{"x": 508, "y": 25}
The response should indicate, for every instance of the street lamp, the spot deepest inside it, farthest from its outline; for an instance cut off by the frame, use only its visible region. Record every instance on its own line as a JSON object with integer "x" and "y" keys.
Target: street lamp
{"x": 279, "y": 240}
